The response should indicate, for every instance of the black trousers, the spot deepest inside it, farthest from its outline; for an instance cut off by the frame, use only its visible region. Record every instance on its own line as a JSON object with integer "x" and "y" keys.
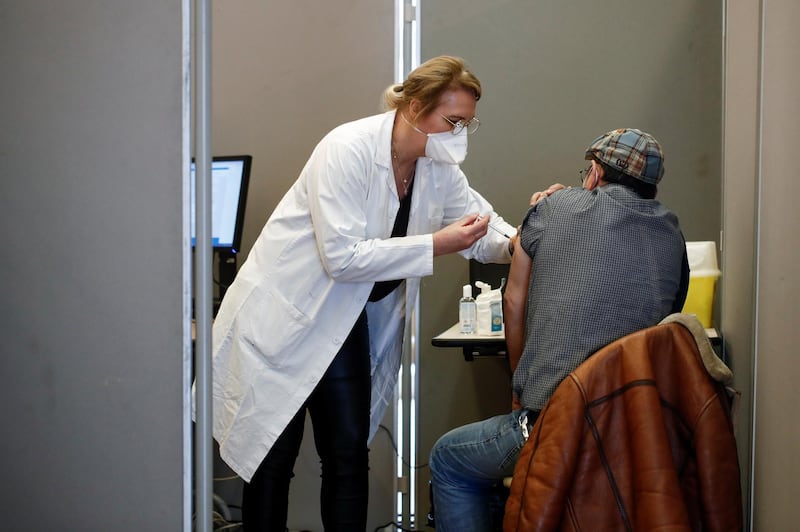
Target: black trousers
{"x": 339, "y": 407}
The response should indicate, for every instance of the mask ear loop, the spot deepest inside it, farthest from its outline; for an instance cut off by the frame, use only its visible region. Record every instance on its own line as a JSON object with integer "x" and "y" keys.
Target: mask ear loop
{"x": 415, "y": 128}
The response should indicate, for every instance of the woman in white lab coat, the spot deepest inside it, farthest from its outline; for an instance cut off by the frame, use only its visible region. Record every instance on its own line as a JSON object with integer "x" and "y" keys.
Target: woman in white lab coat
{"x": 316, "y": 316}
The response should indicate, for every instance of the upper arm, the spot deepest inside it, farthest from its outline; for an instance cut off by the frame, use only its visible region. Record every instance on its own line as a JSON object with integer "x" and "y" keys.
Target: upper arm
{"x": 515, "y": 302}
{"x": 683, "y": 287}
{"x": 336, "y": 178}
{"x": 516, "y": 292}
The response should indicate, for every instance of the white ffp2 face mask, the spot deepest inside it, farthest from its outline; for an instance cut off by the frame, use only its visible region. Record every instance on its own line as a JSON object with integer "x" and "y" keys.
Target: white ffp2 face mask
{"x": 447, "y": 148}
{"x": 443, "y": 147}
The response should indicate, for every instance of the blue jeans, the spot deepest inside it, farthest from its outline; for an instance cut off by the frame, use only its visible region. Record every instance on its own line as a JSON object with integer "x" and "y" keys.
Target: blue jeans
{"x": 467, "y": 463}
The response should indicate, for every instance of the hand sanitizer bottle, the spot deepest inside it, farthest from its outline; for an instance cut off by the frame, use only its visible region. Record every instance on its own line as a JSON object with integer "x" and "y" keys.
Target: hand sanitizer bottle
{"x": 467, "y": 311}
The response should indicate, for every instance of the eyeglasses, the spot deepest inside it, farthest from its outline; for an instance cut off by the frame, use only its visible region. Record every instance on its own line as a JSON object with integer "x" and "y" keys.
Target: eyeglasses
{"x": 470, "y": 125}
{"x": 583, "y": 174}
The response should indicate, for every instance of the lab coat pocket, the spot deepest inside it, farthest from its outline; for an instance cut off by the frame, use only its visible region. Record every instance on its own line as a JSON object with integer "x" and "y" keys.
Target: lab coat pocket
{"x": 435, "y": 217}
{"x": 275, "y": 327}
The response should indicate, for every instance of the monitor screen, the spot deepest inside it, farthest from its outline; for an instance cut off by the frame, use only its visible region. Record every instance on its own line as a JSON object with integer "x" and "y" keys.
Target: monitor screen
{"x": 230, "y": 176}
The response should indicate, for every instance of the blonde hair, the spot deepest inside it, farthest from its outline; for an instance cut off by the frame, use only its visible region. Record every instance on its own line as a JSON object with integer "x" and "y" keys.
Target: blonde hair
{"x": 429, "y": 81}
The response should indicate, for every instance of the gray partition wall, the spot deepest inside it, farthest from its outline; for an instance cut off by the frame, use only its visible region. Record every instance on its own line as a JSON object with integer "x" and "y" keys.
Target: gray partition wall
{"x": 762, "y": 249}
{"x": 92, "y": 151}
{"x": 555, "y": 75}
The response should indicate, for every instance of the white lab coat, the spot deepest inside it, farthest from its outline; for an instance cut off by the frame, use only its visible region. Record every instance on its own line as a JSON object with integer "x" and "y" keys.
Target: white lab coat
{"x": 308, "y": 277}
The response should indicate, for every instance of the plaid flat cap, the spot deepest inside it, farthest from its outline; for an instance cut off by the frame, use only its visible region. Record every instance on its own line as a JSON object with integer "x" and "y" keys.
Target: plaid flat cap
{"x": 631, "y": 151}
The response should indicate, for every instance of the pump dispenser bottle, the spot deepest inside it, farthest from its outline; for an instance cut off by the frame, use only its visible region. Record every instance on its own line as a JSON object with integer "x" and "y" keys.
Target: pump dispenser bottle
{"x": 489, "y": 305}
{"x": 467, "y": 311}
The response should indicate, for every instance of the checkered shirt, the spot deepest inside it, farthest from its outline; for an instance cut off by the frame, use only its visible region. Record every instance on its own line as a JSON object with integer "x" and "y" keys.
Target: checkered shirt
{"x": 606, "y": 263}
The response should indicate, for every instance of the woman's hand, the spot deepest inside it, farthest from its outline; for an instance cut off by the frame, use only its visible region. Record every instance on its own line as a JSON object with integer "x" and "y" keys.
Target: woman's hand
{"x": 539, "y": 196}
{"x": 460, "y": 235}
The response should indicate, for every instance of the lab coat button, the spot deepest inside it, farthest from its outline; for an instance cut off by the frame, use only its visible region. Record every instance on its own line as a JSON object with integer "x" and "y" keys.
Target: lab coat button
{"x": 337, "y": 340}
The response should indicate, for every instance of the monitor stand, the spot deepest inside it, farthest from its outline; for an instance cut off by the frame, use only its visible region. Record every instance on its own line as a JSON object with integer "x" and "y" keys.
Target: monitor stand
{"x": 226, "y": 271}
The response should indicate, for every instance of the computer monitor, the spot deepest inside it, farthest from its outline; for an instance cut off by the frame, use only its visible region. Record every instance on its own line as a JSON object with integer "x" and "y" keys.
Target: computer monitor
{"x": 230, "y": 177}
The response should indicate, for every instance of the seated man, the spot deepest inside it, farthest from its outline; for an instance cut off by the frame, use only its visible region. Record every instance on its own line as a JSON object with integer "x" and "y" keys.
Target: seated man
{"x": 591, "y": 265}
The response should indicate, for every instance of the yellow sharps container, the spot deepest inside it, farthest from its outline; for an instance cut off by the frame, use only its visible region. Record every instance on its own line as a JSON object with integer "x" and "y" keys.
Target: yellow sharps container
{"x": 703, "y": 276}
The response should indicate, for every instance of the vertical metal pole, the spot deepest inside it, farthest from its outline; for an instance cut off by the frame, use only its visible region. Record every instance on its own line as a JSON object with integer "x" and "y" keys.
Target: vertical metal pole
{"x": 762, "y": 34}
{"x": 407, "y": 58}
{"x": 203, "y": 287}
{"x": 187, "y": 23}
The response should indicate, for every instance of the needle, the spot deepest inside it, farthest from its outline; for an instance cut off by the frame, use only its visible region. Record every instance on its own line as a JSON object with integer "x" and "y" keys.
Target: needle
{"x": 479, "y": 218}
{"x": 499, "y": 231}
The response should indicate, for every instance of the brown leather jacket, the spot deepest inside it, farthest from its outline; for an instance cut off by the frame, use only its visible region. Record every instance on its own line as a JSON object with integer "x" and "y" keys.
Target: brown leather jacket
{"x": 639, "y": 437}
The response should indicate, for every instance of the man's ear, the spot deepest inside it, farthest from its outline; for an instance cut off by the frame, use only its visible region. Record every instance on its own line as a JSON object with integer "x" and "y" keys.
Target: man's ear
{"x": 601, "y": 172}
